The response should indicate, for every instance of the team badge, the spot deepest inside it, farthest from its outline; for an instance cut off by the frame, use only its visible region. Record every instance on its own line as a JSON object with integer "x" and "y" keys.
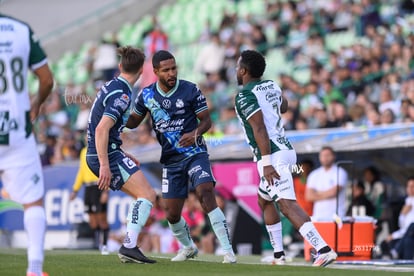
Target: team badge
{"x": 179, "y": 103}
{"x": 166, "y": 103}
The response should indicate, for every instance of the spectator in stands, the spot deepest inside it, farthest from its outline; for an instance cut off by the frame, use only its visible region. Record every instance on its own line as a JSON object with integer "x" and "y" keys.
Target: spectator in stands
{"x": 324, "y": 185}
{"x": 387, "y": 117}
{"x": 211, "y": 57}
{"x": 155, "y": 40}
{"x": 66, "y": 147}
{"x": 360, "y": 204}
{"x": 105, "y": 64}
{"x": 400, "y": 243}
{"x": 374, "y": 189}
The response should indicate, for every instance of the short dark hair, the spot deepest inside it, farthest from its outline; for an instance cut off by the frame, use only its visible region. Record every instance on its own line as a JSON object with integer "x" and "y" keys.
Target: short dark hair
{"x": 328, "y": 148}
{"x": 132, "y": 59}
{"x": 161, "y": 56}
{"x": 254, "y": 62}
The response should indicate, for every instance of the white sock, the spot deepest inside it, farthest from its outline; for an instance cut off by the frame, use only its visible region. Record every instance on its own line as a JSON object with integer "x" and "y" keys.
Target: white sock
{"x": 182, "y": 233}
{"x": 35, "y": 226}
{"x": 275, "y": 236}
{"x": 138, "y": 214}
{"x": 310, "y": 234}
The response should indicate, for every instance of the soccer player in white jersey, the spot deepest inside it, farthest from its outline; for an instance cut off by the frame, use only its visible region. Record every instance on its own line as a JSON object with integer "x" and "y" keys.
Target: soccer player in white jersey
{"x": 20, "y": 167}
{"x": 259, "y": 105}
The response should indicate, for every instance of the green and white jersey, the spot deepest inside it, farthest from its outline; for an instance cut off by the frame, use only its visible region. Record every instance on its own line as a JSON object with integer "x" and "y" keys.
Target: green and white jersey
{"x": 264, "y": 96}
{"x": 19, "y": 52}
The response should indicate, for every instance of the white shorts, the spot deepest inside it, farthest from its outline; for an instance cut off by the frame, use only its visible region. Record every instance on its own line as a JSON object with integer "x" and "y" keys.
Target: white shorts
{"x": 21, "y": 172}
{"x": 284, "y": 162}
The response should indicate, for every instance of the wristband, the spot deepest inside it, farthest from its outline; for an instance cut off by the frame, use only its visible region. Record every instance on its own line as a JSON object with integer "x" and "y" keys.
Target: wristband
{"x": 266, "y": 160}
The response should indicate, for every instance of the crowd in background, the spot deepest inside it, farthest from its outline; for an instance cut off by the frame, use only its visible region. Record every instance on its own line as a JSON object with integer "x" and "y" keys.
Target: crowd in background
{"x": 368, "y": 83}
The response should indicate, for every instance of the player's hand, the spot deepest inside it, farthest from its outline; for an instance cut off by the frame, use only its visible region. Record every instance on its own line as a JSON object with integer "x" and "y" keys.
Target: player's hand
{"x": 104, "y": 197}
{"x": 188, "y": 139}
{"x": 105, "y": 177}
{"x": 135, "y": 160}
{"x": 73, "y": 195}
{"x": 34, "y": 110}
{"x": 270, "y": 174}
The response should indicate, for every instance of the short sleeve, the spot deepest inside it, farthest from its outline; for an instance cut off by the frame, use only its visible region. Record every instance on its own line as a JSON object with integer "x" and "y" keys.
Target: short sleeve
{"x": 116, "y": 103}
{"x": 247, "y": 105}
{"x": 139, "y": 106}
{"x": 199, "y": 102}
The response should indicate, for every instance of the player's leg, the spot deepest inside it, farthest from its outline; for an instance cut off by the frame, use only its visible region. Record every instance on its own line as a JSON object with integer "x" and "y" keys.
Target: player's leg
{"x": 90, "y": 203}
{"x": 102, "y": 221}
{"x": 203, "y": 181}
{"x": 174, "y": 191}
{"x": 286, "y": 199}
{"x": 274, "y": 228}
{"x": 25, "y": 185}
{"x": 127, "y": 177}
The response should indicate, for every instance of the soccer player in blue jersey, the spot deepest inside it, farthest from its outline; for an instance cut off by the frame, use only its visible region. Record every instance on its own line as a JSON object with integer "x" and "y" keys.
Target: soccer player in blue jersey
{"x": 115, "y": 168}
{"x": 180, "y": 116}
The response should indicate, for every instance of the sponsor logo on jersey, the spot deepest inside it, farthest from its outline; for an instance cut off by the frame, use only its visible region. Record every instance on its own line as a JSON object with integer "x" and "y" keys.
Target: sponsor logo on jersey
{"x": 164, "y": 186}
{"x": 6, "y": 28}
{"x": 264, "y": 87}
{"x": 166, "y": 103}
{"x": 204, "y": 174}
{"x": 125, "y": 98}
{"x": 180, "y": 111}
{"x": 194, "y": 170}
{"x": 121, "y": 104}
{"x": 271, "y": 96}
{"x": 179, "y": 103}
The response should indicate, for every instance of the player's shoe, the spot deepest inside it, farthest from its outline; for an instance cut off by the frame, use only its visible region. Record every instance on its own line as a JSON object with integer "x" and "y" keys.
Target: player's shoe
{"x": 325, "y": 258}
{"x": 185, "y": 254}
{"x": 104, "y": 250}
{"x": 34, "y": 274}
{"x": 230, "y": 258}
{"x": 133, "y": 255}
{"x": 279, "y": 261}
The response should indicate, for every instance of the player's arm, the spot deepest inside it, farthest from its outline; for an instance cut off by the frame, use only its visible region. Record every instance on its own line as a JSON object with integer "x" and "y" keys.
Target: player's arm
{"x": 101, "y": 141}
{"x": 204, "y": 124}
{"x": 263, "y": 143}
{"x": 313, "y": 195}
{"x": 134, "y": 120}
{"x": 45, "y": 78}
{"x": 284, "y": 105}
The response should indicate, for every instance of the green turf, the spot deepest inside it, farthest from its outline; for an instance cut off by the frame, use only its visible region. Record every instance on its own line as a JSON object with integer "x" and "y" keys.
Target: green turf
{"x": 90, "y": 263}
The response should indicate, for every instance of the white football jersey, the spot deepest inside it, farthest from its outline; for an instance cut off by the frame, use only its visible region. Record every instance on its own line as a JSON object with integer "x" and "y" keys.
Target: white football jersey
{"x": 19, "y": 52}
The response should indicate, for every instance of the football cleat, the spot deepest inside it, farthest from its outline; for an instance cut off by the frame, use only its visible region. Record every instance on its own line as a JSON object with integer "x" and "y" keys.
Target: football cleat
{"x": 230, "y": 258}
{"x": 185, "y": 254}
{"x": 325, "y": 258}
{"x": 133, "y": 255}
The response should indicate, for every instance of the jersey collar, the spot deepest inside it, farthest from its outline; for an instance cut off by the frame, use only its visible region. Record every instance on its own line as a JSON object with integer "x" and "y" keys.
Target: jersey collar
{"x": 169, "y": 93}
{"x": 249, "y": 86}
{"x": 125, "y": 81}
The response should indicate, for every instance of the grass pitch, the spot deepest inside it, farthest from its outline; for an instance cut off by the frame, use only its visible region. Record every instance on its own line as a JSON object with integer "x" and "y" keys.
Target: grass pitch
{"x": 91, "y": 263}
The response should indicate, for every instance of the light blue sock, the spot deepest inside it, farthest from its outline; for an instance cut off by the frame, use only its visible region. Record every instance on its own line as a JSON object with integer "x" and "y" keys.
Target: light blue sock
{"x": 219, "y": 224}
{"x": 182, "y": 233}
{"x": 138, "y": 214}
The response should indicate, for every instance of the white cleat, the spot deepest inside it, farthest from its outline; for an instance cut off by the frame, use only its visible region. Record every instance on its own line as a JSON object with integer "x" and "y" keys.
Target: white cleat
{"x": 185, "y": 254}
{"x": 230, "y": 258}
{"x": 279, "y": 261}
{"x": 104, "y": 250}
{"x": 325, "y": 258}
